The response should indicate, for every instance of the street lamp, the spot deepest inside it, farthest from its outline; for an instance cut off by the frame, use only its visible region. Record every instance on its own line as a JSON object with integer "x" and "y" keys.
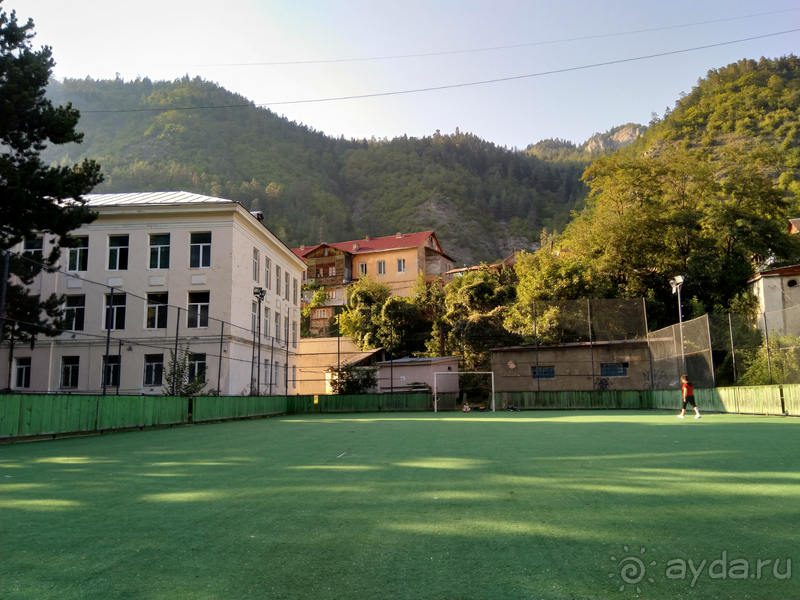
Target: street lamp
{"x": 676, "y": 283}
{"x": 259, "y": 293}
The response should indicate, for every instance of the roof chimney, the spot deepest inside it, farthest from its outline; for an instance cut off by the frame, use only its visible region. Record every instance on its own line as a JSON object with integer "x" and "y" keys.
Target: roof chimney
{"x": 303, "y": 247}
{"x": 399, "y": 235}
{"x": 258, "y": 215}
{"x": 355, "y": 247}
{"x": 366, "y": 238}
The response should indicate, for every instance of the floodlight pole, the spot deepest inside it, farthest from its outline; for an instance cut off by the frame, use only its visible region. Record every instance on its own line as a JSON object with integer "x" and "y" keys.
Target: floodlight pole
{"x": 259, "y": 293}
{"x": 677, "y": 283}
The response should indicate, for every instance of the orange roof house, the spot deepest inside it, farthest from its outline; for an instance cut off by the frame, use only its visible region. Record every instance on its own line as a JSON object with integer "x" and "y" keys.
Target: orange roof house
{"x": 395, "y": 260}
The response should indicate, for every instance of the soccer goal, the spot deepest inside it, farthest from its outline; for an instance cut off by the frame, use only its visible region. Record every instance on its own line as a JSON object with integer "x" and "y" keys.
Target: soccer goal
{"x": 468, "y": 385}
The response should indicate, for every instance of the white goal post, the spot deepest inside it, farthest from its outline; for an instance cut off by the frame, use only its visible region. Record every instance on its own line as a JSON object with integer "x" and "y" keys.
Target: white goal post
{"x": 451, "y": 373}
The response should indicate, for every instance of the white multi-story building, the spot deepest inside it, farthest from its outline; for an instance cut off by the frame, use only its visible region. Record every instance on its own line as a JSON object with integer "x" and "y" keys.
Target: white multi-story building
{"x": 156, "y": 271}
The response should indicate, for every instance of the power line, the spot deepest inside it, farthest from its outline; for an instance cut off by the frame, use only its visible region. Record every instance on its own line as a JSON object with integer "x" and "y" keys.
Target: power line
{"x": 456, "y": 85}
{"x": 490, "y": 48}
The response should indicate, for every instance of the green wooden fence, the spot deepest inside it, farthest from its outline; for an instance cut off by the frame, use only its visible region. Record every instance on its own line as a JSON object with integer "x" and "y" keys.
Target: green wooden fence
{"x": 215, "y": 408}
{"x": 31, "y": 415}
{"x": 375, "y": 403}
{"x": 574, "y": 400}
{"x": 23, "y": 415}
{"x": 791, "y": 399}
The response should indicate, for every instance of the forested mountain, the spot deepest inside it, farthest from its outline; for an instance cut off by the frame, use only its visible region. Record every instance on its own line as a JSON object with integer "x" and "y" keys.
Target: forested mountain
{"x": 193, "y": 135}
{"x": 705, "y": 193}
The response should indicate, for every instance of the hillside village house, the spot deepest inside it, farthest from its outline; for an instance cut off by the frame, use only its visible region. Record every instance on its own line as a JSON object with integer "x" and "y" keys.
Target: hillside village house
{"x": 156, "y": 270}
{"x": 506, "y": 263}
{"x": 394, "y": 260}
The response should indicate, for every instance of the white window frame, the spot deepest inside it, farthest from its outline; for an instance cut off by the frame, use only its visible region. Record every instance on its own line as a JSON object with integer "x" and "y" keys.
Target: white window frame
{"x": 115, "y": 312}
{"x": 159, "y": 253}
{"x": 156, "y": 309}
{"x": 203, "y": 250}
{"x": 78, "y": 259}
{"x": 74, "y": 315}
{"x": 70, "y": 372}
{"x": 153, "y": 375}
{"x": 362, "y": 269}
{"x": 401, "y": 265}
{"x": 256, "y": 264}
{"x": 267, "y": 269}
{"x": 381, "y": 267}
{"x": 197, "y": 317}
{"x": 118, "y": 254}
{"x": 22, "y": 372}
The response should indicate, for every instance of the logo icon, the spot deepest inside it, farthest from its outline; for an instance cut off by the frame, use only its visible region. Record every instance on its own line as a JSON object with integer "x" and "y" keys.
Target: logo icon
{"x": 632, "y": 570}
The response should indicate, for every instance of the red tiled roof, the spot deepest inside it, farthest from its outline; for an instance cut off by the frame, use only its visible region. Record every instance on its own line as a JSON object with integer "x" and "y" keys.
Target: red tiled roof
{"x": 389, "y": 242}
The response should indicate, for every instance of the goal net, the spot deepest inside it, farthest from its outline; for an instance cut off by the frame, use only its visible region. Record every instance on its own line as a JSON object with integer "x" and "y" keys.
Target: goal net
{"x": 451, "y": 391}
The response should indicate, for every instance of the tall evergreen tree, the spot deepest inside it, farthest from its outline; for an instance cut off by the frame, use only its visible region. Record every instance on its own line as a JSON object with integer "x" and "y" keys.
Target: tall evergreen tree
{"x": 35, "y": 198}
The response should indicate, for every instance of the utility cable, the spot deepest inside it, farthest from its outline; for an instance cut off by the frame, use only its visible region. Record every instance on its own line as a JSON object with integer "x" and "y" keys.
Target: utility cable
{"x": 455, "y": 85}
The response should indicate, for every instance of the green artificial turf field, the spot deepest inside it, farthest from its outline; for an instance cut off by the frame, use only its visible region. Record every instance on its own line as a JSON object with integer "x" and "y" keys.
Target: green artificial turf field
{"x": 448, "y": 505}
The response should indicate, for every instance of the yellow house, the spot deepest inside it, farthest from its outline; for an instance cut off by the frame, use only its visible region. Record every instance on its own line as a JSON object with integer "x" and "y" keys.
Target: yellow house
{"x": 395, "y": 260}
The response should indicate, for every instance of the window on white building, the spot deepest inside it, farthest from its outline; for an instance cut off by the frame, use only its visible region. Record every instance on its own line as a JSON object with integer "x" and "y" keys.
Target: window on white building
{"x": 157, "y": 306}
{"x": 34, "y": 246}
{"x": 197, "y": 366}
{"x": 74, "y": 312}
{"x": 286, "y": 286}
{"x": 115, "y": 311}
{"x": 23, "y": 372}
{"x": 267, "y": 278}
{"x": 78, "y": 259}
{"x": 153, "y": 369}
{"x": 159, "y": 251}
{"x": 118, "y": 253}
{"x": 294, "y": 291}
{"x": 200, "y": 250}
{"x": 266, "y": 322}
{"x": 111, "y": 370}
{"x": 70, "y": 367}
{"x": 198, "y": 309}
{"x": 277, "y": 280}
{"x": 256, "y": 264}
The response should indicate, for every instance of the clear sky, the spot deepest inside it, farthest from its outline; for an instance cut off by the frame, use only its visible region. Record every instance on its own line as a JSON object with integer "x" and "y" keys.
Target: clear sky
{"x": 236, "y": 43}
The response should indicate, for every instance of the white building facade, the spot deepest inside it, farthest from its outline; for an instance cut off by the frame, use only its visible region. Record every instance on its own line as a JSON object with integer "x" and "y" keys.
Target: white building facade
{"x": 160, "y": 271}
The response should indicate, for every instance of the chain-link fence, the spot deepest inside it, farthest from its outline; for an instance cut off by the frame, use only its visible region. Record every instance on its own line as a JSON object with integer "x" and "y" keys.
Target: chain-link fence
{"x": 730, "y": 350}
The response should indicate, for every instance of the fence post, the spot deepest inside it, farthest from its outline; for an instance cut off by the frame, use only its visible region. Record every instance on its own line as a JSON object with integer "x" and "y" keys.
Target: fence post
{"x": 649, "y": 351}
{"x": 219, "y": 367}
{"x": 591, "y": 346}
{"x": 536, "y": 341}
{"x": 109, "y": 318}
{"x": 6, "y": 260}
{"x": 175, "y": 356}
{"x": 766, "y": 338}
{"x": 733, "y": 348}
{"x": 711, "y": 350}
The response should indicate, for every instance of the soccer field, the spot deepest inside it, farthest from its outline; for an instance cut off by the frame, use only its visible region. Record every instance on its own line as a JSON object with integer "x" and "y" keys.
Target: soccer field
{"x": 559, "y": 504}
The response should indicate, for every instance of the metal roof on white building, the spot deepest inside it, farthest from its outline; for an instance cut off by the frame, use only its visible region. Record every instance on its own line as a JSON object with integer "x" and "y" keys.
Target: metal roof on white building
{"x": 151, "y": 198}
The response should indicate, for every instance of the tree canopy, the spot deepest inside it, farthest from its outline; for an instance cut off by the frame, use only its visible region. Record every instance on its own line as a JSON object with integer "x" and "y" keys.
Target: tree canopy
{"x": 36, "y": 198}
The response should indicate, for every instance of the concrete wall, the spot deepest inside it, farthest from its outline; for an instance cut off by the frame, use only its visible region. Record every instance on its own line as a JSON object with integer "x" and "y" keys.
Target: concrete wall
{"x": 400, "y": 375}
{"x": 576, "y": 367}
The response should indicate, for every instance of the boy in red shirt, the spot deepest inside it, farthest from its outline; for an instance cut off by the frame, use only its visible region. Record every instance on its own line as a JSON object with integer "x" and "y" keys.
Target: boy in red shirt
{"x": 688, "y": 397}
